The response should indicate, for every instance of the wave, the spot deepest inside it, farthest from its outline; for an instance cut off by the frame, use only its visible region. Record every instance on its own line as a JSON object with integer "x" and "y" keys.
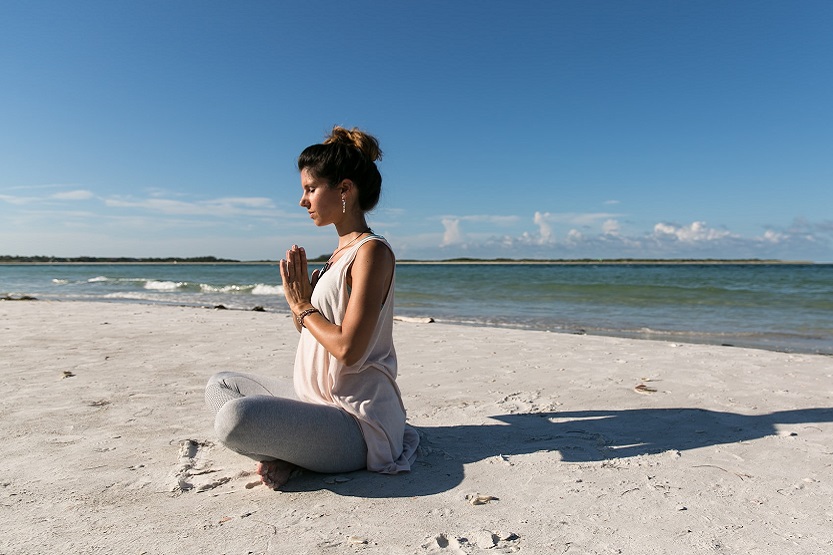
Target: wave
{"x": 154, "y": 285}
{"x": 256, "y": 289}
{"x": 263, "y": 289}
{"x": 171, "y": 286}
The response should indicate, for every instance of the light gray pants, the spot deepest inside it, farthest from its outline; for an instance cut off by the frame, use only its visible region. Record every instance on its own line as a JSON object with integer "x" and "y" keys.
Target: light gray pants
{"x": 257, "y": 417}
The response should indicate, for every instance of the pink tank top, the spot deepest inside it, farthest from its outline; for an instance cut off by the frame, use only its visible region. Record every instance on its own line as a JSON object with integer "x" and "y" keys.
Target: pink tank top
{"x": 367, "y": 390}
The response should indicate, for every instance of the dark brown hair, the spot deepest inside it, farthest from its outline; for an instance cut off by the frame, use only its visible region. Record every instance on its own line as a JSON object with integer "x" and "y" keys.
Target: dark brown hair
{"x": 347, "y": 154}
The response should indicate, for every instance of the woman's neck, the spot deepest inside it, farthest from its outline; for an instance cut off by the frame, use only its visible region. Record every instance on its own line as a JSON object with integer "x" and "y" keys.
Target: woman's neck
{"x": 350, "y": 230}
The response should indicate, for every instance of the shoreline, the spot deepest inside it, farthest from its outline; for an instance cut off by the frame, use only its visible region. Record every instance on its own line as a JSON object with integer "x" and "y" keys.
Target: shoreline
{"x": 473, "y": 262}
{"x": 671, "y": 336}
{"x": 531, "y": 442}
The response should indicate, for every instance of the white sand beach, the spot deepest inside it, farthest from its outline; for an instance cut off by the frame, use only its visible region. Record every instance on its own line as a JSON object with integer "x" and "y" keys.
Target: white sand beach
{"x": 532, "y": 442}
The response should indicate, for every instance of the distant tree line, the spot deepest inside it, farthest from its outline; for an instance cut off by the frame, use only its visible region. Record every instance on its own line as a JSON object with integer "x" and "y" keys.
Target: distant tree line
{"x": 464, "y": 260}
{"x": 98, "y": 259}
{"x": 6, "y": 259}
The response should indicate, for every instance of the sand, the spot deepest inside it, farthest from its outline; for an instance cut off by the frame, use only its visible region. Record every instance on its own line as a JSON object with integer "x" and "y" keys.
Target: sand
{"x": 533, "y": 442}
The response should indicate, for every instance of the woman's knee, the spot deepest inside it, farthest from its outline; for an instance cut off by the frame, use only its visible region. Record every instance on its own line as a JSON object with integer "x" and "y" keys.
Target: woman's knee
{"x": 219, "y": 379}
{"x": 234, "y": 422}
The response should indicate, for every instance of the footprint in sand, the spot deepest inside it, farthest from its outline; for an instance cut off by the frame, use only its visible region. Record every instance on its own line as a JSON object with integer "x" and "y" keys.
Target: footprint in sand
{"x": 441, "y": 543}
{"x": 194, "y": 462}
{"x": 474, "y": 542}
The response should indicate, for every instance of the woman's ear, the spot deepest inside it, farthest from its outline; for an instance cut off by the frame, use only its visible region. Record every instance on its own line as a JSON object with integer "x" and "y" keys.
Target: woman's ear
{"x": 345, "y": 186}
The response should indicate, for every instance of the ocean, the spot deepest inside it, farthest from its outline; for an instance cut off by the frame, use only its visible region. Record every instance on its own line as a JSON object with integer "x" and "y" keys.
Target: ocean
{"x": 784, "y": 307}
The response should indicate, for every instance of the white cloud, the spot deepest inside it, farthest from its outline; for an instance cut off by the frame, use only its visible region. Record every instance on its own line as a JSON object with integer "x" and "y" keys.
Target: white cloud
{"x": 220, "y": 207}
{"x": 774, "y": 237}
{"x": 610, "y": 227}
{"x": 587, "y": 220}
{"x": 250, "y": 202}
{"x": 76, "y": 194}
{"x": 158, "y": 203}
{"x": 79, "y": 194}
{"x": 800, "y": 241}
{"x": 544, "y": 228}
{"x": 452, "y": 234}
{"x": 696, "y": 232}
{"x": 580, "y": 219}
{"x": 12, "y": 199}
{"x": 541, "y": 234}
{"x": 487, "y": 218}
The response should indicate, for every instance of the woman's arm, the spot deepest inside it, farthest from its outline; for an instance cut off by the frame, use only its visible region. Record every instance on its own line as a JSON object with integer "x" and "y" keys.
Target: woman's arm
{"x": 293, "y": 270}
{"x": 370, "y": 275}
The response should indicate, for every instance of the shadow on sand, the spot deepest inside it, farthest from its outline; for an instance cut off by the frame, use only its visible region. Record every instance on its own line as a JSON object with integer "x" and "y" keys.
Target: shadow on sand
{"x": 579, "y": 436}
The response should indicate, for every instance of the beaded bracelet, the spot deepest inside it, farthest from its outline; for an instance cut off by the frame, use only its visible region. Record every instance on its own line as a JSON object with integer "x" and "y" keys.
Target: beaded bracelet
{"x": 306, "y": 313}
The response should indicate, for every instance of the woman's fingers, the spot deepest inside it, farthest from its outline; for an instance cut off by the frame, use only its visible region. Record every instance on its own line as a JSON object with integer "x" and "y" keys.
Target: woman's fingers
{"x": 293, "y": 266}
{"x": 297, "y": 287}
{"x": 287, "y": 267}
{"x": 292, "y": 261}
{"x": 302, "y": 255}
{"x": 284, "y": 271}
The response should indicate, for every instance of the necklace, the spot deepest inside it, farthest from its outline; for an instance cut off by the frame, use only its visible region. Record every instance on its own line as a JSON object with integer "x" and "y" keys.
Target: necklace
{"x": 327, "y": 264}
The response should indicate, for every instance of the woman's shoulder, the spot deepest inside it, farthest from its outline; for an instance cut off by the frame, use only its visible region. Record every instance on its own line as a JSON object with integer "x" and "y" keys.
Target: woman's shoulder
{"x": 374, "y": 255}
{"x": 376, "y": 249}
{"x": 373, "y": 265}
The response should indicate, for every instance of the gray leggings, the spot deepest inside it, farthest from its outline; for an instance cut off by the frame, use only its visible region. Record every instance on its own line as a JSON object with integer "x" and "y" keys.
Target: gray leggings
{"x": 256, "y": 417}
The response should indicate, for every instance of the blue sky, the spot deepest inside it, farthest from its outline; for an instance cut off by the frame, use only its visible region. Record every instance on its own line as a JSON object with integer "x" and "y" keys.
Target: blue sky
{"x": 554, "y": 129}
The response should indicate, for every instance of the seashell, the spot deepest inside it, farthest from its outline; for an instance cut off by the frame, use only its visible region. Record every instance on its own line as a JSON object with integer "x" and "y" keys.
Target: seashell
{"x": 644, "y": 389}
{"x": 478, "y": 499}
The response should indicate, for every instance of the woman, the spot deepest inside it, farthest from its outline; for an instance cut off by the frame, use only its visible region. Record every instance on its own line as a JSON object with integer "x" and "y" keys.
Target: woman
{"x": 348, "y": 414}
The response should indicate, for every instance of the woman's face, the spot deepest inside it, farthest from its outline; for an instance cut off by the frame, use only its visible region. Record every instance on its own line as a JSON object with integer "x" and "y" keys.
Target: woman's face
{"x": 323, "y": 203}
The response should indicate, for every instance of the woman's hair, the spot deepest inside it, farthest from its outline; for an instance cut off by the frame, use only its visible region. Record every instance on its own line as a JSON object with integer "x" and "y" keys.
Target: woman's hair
{"x": 347, "y": 154}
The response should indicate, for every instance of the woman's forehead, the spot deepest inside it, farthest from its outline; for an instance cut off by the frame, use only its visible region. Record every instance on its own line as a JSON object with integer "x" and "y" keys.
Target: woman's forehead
{"x": 307, "y": 178}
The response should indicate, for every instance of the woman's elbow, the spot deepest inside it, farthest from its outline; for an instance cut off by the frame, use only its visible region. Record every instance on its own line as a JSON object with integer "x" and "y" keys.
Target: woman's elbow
{"x": 348, "y": 359}
{"x": 351, "y": 348}
{"x": 349, "y": 355}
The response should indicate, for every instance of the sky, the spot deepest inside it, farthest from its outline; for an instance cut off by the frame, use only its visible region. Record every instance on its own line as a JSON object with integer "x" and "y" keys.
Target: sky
{"x": 536, "y": 129}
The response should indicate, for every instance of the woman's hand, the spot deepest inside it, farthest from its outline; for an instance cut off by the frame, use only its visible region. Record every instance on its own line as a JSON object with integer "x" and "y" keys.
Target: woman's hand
{"x": 315, "y": 275}
{"x": 296, "y": 284}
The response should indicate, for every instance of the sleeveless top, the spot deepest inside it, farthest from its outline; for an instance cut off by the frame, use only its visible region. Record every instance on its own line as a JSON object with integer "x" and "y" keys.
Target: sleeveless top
{"x": 366, "y": 390}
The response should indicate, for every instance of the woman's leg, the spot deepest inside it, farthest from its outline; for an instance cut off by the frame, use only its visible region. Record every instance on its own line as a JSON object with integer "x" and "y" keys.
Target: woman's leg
{"x": 251, "y": 420}
{"x": 225, "y": 386}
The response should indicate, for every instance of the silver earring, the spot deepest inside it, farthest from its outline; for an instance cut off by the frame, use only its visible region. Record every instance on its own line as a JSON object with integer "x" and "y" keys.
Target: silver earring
{"x": 343, "y": 205}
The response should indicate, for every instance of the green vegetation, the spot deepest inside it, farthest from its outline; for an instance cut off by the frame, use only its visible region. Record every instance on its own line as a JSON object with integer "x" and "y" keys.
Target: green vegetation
{"x": 600, "y": 261}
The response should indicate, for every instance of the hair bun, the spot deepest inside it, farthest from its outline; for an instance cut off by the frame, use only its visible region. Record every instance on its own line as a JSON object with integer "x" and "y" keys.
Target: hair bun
{"x": 367, "y": 144}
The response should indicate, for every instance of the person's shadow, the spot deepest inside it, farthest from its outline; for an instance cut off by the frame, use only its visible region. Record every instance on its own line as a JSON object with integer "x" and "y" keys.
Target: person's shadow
{"x": 579, "y": 436}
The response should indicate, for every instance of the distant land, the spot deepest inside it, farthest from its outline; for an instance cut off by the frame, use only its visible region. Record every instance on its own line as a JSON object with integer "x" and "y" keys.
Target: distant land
{"x": 565, "y": 261}
{"x": 6, "y": 259}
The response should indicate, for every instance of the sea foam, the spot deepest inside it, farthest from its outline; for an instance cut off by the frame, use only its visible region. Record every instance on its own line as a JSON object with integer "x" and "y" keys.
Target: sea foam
{"x": 263, "y": 289}
{"x": 163, "y": 285}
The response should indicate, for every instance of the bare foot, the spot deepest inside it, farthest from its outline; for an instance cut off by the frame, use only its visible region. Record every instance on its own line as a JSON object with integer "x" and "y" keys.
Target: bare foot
{"x": 274, "y": 474}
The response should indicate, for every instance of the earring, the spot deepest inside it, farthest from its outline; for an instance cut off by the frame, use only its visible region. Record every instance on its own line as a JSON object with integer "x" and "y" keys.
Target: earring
{"x": 343, "y": 205}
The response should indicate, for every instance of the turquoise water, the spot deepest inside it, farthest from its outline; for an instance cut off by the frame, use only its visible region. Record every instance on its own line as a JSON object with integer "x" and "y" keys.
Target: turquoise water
{"x": 782, "y": 307}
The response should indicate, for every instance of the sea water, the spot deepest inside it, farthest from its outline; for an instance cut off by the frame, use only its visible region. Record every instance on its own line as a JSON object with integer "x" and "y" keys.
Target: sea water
{"x": 776, "y": 306}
